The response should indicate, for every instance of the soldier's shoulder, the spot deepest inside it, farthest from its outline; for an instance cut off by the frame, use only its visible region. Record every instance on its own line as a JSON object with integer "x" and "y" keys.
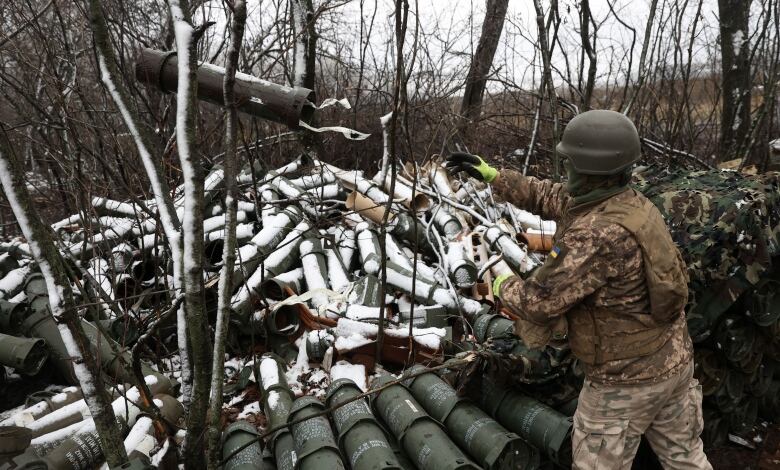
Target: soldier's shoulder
{"x": 595, "y": 229}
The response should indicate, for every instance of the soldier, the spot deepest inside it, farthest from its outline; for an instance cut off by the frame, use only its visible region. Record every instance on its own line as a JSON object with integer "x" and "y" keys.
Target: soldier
{"x": 615, "y": 284}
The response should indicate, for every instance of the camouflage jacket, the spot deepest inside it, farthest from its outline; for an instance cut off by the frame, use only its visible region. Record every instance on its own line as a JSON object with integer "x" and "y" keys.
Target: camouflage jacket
{"x": 600, "y": 264}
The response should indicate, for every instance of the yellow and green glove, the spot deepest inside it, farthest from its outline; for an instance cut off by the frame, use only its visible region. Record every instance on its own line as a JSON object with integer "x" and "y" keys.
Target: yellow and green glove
{"x": 497, "y": 284}
{"x": 474, "y": 165}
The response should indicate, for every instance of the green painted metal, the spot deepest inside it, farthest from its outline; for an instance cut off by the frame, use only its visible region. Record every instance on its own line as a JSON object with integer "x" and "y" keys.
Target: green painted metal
{"x": 491, "y": 326}
{"x": 366, "y": 291}
{"x": 26, "y": 355}
{"x": 12, "y": 316}
{"x": 541, "y": 426}
{"x": 364, "y": 441}
{"x": 422, "y": 437}
{"x": 426, "y": 316}
{"x": 489, "y": 443}
{"x": 277, "y": 402}
{"x": 274, "y": 288}
{"x": 13, "y": 441}
{"x": 315, "y": 446}
{"x": 317, "y": 346}
{"x": 236, "y": 435}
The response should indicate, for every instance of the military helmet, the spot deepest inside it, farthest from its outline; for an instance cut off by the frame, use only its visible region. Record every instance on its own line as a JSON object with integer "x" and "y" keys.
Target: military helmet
{"x": 600, "y": 142}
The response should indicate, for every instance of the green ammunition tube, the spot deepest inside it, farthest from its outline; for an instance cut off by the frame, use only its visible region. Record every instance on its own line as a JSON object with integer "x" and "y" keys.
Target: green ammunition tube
{"x": 492, "y": 325}
{"x": 366, "y": 291}
{"x": 13, "y": 441}
{"x": 360, "y": 436}
{"x": 403, "y": 226}
{"x": 27, "y": 355}
{"x": 7, "y": 264}
{"x": 317, "y": 344}
{"x": 421, "y": 437}
{"x": 12, "y": 316}
{"x": 315, "y": 446}
{"x": 274, "y": 288}
{"x": 40, "y": 324}
{"x": 489, "y": 443}
{"x": 537, "y": 423}
{"x": 236, "y": 435}
{"x": 277, "y": 401}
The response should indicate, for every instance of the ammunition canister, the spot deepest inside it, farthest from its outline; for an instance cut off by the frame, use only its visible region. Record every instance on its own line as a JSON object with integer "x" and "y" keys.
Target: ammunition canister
{"x": 277, "y": 402}
{"x": 489, "y": 443}
{"x": 13, "y": 441}
{"x": 537, "y": 423}
{"x": 235, "y": 436}
{"x": 254, "y": 96}
{"x": 26, "y": 355}
{"x": 422, "y": 437}
{"x": 315, "y": 446}
{"x": 360, "y": 435}
{"x": 12, "y": 316}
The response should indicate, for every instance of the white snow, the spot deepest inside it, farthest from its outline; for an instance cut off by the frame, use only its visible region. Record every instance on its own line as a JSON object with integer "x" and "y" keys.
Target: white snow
{"x": 737, "y": 41}
{"x": 361, "y": 312}
{"x": 250, "y": 409}
{"x": 353, "y": 341}
{"x": 354, "y": 372}
{"x": 269, "y": 372}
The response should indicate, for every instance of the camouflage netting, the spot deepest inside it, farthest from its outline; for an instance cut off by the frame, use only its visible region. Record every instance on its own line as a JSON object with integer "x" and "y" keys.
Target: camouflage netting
{"x": 727, "y": 226}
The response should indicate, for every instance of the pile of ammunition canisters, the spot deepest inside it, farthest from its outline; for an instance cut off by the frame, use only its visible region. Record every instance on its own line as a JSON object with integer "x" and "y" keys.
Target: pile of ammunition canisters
{"x": 315, "y": 243}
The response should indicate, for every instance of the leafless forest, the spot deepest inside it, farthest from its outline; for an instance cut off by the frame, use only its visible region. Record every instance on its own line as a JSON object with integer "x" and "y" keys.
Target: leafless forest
{"x": 498, "y": 78}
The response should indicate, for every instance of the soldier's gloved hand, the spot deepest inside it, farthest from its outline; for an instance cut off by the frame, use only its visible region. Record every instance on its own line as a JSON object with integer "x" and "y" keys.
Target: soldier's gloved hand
{"x": 474, "y": 165}
{"x": 497, "y": 284}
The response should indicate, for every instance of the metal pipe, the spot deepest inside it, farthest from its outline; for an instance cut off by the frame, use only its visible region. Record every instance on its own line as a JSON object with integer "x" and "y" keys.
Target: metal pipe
{"x": 360, "y": 435}
{"x": 254, "y": 96}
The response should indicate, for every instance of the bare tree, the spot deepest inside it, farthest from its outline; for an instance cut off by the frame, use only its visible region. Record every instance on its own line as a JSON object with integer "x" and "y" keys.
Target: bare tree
{"x": 735, "y": 79}
{"x": 493, "y": 24}
{"x": 62, "y": 304}
{"x": 225, "y": 288}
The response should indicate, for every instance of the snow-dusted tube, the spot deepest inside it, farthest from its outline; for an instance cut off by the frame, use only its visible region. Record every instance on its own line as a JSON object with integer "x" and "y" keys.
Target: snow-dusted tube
{"x": 274, "y": 288}
{"x": 346, "y": 245}
{"x": 121, "y": 257}
{"x": 13, "y": 282}
{"x": 255, "y": 96}
{"x": 268, "y": 207}
{"x": 449, "y": 225}
{"x": 277, "y": 262}
{"x": 277, "y": 401}
{"x": 274, "y": 231}
{"x": 461, "y": 269}
{"x": 513, "y": 254}
{"x": 314, "y": 180}
{"x": 315, "y": 269}
{"x": 368, "y": 244}
{"x": 26, "y": 355}
{"x": 440, "y": 179}
{"x": 429, "y": 294}
{"x": 26, "y": 416}
{"x": 294, "y": 193}
{"x": 405, "y": 228}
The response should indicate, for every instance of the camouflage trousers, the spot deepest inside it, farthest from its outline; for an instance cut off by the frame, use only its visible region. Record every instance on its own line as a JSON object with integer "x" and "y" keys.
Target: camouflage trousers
{"x": 611, "y": 419}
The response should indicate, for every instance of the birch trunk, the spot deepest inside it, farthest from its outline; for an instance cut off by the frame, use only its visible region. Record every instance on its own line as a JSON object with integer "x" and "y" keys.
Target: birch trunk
{"x": 162, "y": 193}
{"x": 192, "y": 234}
{"x": 62, "y": 304}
